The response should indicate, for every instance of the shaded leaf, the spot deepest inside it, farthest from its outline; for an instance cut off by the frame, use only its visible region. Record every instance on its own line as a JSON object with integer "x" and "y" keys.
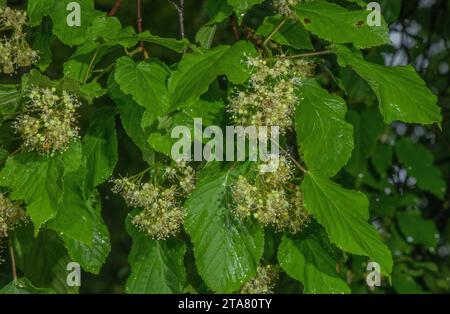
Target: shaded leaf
{"x": 227, "y": 250}
{"x": 341, "y": 26}
{"x": 306, "y": 259}
{"x": 401, "y": 93}
{"x": 156, "y": 266}
{"x": 344, "y": 214}
{"x": 324, "y": 136}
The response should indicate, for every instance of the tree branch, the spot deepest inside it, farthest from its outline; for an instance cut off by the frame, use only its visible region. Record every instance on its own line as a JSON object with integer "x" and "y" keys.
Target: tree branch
{"x": 139, "y": 15}
{"x": 274, "y": 31}
{"x": 309, "y": 54}
{"x": 13, "y": 260}
{"x": 140, "y": 27}
{"x": 235, "y": 28}
{"x": 115, "y": 8}
{"x": 180, "y": 9}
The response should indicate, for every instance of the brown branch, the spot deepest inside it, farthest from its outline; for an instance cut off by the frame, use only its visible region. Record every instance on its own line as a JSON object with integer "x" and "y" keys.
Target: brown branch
{"x": 180, "y": 9}
{"x": 115, "y": 8}
{"x": 139, "y": 15}
{"x": 140, "y": 27}
{"x": 299, "y": 166}
{"x": 235, "y": 27}
{"x": 13, "y": 260}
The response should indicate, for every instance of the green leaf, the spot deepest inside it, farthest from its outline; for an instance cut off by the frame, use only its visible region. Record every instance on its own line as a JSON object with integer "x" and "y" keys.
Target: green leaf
{"x": 35, "y": 79}
{"x": 404, "y": 283}
{"x": 170, "y": 43}
{"x": 209, "y": 111}
{"x": 324, "y": 136}
{"x": 9, "y": 101}
{"x": 306, "y": 260}
{"x": 39, "y": 180}
{"x": 391, "y": 9}
{"x": 161, "y": 143}
{"x": 419, "y": 163}
{"x": 73, "y": 219}
{"x": 43, "y": 260}
{"x": 242, "y": 6}
{"x": 217, "y": 10}
{"x": 382, "y": 158}
{"x": 341, "y": 26}
{"x": 367, "y": 126}
{"x": 43, "y": 45}
{"x": 24, "y": 286}
{"x": 131, "y": 116}
{"x": 227, "y": 250}
{"x": 402, "y": 94}
{"x": 83, "y": 60}
{"x": 344, "y": 214}
{"x": 417, "y": 229}
{"x": 156, "y": 266}
{"x": 102, "y": 37}
{"x": 361, "y": 3}
{"x": 72, "y": 35}
{"x": 292, "y": 33}
{"x": 92, "y": 90}
{"x": 3, "y": 155}
{"x": 196, "y": 71}
{"x": 100, "y": 146}
{"x": 108, "y": 31}
{"x": 205, "y": 36}
{"x": 91, "y": 255}
{"x": 145, "y": 82}
{"x": 37, "y": 9}
{"x": 57, "y": 9}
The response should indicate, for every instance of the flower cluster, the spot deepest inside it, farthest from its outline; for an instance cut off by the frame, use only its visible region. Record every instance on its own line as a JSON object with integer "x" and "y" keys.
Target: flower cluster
{"x": 162, "y": 212}
{"x": 270, "y": 97}
{"x": 284, "y": 7}
{"x": 14, "y": 49}
{"x": 11, "y": 215}
{"x": 49, "y": 123}
{"x": 272, "y": 200}
{"x": 264, "y": 281}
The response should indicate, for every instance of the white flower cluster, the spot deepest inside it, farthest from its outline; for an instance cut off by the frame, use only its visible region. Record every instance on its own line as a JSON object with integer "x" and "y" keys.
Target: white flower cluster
{"x": 11, "y": 215}
{"x": 272, "y": 200}
{"x": 162, "y": 212}
{"x": 264, "y": 282}
{"x": 284, "y": 7}
{"x": 270, "y": 97}
{"x": 14, "y": 49}
{"x": 49, "y": 122}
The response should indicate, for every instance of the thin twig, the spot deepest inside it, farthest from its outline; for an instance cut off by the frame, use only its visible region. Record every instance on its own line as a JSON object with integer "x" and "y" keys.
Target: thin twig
{"x": 309, "y": 54}
{"x": 299, "y": 166}
{"x": 274, "y": 31}
{"x": 91, "y": 66}
{"x": 235, "y": 28}
{"x": 139, "y": 17}
{"x": 13, "y": 260}
{"x": 115, "y": 8}
{"x": 181, "y": 17}
{"x": 180, "y": 9}
{"x": 104, "y": 71}
{"x": 18, "y": 150}
{"x": 140, "y": 27}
